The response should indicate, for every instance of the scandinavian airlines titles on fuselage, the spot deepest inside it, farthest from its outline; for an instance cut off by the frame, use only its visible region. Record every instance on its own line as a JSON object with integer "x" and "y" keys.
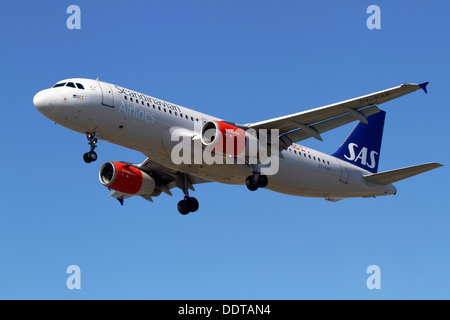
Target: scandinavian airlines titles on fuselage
{"x": 133, "y": 110}
{"x": 143, "y": 97}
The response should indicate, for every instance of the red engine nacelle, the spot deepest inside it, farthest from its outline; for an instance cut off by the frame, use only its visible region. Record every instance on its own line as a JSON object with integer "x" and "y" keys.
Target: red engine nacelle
{"x": 128, "y": 179}
{"x": 223, "y": 138}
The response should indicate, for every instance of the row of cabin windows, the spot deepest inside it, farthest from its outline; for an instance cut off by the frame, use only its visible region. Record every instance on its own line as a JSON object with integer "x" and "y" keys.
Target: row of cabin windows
{"x": 69, "y": 84}
{"x": 159, "y": 108}
{"x": 309, "y": 156}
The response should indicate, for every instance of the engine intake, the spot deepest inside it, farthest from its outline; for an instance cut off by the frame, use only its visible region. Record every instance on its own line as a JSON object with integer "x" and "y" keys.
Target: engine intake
{"x": 223, "y": 138}
{"x": 124, "y": 178}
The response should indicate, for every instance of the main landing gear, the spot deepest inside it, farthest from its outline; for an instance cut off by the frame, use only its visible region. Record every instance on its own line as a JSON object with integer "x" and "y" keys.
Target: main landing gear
{"x": 91, "y": 155}
{"x": 255, "y": 181}
{"x": 188, "y": 204}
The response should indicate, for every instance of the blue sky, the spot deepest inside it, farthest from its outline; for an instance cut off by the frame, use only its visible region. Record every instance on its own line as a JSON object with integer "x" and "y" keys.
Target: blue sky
{"x": 244, "y": 61}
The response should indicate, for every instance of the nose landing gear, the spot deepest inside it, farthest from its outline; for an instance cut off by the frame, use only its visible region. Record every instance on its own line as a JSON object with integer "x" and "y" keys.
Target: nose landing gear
{"x": 91, "y": 156}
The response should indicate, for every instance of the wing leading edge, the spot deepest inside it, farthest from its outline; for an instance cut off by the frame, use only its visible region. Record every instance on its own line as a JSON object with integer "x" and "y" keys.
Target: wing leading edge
{"x": 392, "y": 176}
{"x": 312, "y": 123}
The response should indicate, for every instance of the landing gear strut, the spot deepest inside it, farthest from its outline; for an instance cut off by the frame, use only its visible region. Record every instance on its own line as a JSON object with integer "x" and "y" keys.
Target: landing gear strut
{"x": 91, "y": 155}
{"x": 188, "y": 204}
{"x": 255, "y": 181}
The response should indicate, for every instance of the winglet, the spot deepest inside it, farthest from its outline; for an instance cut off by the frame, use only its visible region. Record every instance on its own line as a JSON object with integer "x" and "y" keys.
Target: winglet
{"x": 424, "y": 86}
{"x": 120, "y": 200}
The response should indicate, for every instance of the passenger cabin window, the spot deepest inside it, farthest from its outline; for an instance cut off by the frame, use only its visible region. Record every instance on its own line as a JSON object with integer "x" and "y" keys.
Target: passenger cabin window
{"x": 70, "y": 84}
{"x": 61, "y": 84}
{"x": 80, "y": 86}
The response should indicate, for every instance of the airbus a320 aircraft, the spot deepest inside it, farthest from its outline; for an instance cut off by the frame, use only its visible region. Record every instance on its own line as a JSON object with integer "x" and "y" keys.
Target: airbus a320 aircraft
{"x": 112, "y": 113}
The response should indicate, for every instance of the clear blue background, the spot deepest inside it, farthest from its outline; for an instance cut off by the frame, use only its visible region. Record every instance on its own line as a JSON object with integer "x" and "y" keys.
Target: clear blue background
{"x": 244, "y": 61}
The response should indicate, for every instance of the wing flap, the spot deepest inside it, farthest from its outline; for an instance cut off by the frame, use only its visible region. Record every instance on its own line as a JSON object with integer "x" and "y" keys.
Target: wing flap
{"x": 392, "y": 176}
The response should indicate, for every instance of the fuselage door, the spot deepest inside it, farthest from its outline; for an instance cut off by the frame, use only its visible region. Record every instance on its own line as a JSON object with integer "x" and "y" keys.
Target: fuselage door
{"x": 344, "y": 172}
{"x": 107, "y": 94}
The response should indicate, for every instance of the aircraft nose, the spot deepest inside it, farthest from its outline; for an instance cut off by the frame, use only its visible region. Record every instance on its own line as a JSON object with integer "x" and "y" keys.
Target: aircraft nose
{"x": 42, "y": 101}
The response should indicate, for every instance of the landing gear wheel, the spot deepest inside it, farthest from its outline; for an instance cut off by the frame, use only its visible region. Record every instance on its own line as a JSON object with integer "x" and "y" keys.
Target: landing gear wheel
{"x": 86, "y": 158}
{"x": 92, "y": 155}
{"x": 261, "y": 180}
{"x": 189, "y": 204}
{"x": 256, "y": 181}
{"x": 250, "y": 183}
{"x": 192, "y": 204}
{"x": 182, "y": 207}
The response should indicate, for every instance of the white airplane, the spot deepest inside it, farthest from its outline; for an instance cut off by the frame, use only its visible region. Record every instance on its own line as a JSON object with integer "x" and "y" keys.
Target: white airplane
{"x": 144, "y": 123}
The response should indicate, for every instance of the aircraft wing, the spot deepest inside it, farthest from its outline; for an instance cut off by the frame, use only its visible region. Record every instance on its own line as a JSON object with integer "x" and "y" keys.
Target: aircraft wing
{"x": 168, "y": 177}
{"x": 311, "y": 123}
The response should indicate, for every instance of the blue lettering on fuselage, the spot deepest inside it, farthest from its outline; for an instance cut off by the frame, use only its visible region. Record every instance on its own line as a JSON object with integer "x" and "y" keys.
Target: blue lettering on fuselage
{"x": 134, "y": 111}
{"x": 146, "y": 98}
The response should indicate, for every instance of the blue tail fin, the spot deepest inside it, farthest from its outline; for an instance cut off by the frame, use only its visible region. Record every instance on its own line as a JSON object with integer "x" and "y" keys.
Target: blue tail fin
{"x": 362, "y": 147}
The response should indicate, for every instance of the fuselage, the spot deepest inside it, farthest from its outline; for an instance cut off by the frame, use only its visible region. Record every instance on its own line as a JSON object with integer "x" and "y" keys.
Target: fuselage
{"x": 144, "y": 123}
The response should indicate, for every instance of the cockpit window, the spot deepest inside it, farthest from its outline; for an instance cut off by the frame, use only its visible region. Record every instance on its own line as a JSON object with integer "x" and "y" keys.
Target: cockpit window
{"x": 61, "y": 84}
{"x": 70, "y": 84}
{"x": 80, "y": 86}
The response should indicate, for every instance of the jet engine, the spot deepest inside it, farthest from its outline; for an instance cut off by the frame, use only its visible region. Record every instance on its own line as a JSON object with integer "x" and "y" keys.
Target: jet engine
{"x": 228, "y": 139}
{"x": 224, "y": 138}
{"x": 125, "y": 178}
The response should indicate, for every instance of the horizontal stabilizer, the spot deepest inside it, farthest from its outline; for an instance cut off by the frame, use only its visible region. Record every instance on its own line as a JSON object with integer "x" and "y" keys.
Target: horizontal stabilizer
{"x": 392, "y": 176}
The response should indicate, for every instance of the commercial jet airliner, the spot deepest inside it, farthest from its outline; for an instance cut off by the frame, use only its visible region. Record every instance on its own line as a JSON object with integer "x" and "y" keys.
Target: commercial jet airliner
{"x": 157, "y": 128}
